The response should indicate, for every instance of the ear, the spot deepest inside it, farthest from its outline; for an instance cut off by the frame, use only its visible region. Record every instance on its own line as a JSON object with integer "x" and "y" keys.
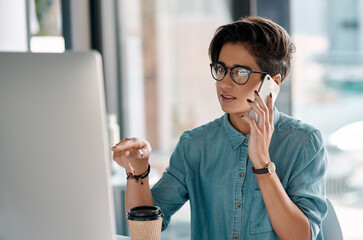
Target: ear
{"x": 277, "y": 78}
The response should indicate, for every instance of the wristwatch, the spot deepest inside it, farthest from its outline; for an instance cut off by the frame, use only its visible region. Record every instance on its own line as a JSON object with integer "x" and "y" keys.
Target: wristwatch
{"x": 270, "y": 169}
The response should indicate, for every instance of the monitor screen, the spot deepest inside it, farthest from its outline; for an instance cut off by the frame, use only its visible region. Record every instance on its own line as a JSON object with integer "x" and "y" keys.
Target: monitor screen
{"x": 54, "y": 155}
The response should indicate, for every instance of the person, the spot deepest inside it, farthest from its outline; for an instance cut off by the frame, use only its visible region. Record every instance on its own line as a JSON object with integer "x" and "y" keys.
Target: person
{"x": 244, "y": 179}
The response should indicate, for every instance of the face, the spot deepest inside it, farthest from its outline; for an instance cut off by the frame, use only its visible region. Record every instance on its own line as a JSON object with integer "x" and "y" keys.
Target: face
{"x": 233, "y": 97}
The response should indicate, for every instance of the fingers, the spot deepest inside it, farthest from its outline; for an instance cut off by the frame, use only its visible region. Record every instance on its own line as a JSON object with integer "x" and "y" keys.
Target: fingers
{"x": 263, "y": 110}
{"x": 140, "y": 153}
{"x": 260, "y": 101}
{"x": 129, "y": 144}
{"x": 259, "y": 111}
{"x": 270, "y": 108}
{"x": 127, "y": 164}
{"x": 136, "y": 148}
{"x": 123, "y": 159}
{"x": 129, "y": 151}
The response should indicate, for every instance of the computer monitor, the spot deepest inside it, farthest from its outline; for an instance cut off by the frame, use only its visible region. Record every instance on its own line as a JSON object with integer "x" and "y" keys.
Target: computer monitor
{"x": 54, "y": 156}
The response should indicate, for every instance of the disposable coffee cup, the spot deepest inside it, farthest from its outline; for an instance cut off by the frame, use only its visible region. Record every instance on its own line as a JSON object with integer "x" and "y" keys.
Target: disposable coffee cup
{"x": 145, "y": 222}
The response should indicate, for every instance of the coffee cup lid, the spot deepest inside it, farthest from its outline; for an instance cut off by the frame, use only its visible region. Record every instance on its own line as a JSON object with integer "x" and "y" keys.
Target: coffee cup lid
{"x": 144, "y": 213}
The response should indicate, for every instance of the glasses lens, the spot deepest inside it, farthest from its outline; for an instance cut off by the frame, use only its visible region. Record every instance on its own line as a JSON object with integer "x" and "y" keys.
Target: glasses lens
{"x": 218, "y": 71}
{"x": 240, "y": 75}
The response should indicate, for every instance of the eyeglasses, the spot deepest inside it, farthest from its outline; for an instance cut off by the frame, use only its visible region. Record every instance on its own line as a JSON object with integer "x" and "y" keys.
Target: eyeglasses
{"x": 239, "y": 74}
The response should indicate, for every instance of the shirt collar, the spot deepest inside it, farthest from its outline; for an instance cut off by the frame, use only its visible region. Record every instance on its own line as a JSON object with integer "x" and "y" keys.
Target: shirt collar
{"x": 235, "y": 137}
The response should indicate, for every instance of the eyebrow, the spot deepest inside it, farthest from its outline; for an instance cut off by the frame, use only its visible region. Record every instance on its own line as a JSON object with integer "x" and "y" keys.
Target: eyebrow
{"x": 235, "y": 65}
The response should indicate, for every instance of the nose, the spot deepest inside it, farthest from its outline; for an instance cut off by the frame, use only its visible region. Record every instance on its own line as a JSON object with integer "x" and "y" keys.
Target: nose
{"x": 227, "y": 81}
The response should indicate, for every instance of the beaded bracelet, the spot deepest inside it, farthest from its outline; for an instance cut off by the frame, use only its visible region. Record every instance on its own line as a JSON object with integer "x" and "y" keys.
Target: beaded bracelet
{"x": 138, "y": 177}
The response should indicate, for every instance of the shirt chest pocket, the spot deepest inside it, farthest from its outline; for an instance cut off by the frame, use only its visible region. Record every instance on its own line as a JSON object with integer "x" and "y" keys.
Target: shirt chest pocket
{"x": 259, "y": 219}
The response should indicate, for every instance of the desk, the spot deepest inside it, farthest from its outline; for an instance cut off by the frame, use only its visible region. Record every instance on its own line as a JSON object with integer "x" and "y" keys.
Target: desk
{"x": 119, "y": 237}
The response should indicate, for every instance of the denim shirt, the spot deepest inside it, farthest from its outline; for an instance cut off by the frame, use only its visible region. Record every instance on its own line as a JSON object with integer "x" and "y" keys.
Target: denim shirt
{"x": 210, "y": 167}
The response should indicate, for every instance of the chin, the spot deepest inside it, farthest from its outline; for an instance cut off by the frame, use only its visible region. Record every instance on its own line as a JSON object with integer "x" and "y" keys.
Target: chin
{"x": 234, "y": 110}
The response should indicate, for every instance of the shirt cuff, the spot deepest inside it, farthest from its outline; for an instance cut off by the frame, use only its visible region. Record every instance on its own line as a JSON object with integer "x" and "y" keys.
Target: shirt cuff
{"x": 314, "y": 229}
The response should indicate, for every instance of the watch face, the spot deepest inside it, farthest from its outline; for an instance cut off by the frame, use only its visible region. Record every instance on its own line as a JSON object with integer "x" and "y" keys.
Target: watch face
{"x": 271, "y": 167}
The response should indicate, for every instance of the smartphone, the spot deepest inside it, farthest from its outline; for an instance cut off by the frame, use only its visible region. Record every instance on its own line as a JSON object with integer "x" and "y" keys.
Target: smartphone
{"x": 268, "y": 86}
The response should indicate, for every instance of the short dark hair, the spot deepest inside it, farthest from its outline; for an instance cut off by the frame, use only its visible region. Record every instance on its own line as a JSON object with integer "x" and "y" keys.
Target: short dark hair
{"x": 268, "y": 42}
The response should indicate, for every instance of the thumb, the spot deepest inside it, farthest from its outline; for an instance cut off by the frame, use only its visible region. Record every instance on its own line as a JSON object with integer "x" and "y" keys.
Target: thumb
{"x": 127, "y": 165}
{"x": 250, "y": 121}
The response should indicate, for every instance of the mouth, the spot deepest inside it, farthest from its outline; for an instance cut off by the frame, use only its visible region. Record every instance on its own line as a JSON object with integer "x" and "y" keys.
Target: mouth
{"x": 227, "y": 98}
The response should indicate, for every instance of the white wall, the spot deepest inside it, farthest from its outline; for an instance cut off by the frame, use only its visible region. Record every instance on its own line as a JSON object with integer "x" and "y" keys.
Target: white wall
{"x": 13, "y": 33}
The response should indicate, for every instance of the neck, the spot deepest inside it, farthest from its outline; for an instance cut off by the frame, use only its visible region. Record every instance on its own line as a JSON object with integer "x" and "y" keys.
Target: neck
{"x": 239, "y": 124}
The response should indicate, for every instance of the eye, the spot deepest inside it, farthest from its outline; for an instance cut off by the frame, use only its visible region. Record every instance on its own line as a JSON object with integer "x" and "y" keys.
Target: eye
{"x": 241, "y": 72}
{"x": 220, "y": 68}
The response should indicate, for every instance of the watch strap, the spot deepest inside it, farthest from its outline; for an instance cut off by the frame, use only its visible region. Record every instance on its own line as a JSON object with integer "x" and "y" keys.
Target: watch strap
{"x": 270, "y": 168}
{"x": 260, "y": 171}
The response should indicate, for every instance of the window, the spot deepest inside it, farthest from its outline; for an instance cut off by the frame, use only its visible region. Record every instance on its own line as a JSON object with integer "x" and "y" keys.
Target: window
{"x": 328, "y": 92}
{"x": 174, "y": 90}
{"x": 167, "y": 86}
{"x": 45, "y": 26}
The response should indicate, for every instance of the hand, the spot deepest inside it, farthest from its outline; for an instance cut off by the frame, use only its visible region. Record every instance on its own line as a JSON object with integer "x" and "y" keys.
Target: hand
{"x": 132, "y": 154}
{"x": 261, "y": 132}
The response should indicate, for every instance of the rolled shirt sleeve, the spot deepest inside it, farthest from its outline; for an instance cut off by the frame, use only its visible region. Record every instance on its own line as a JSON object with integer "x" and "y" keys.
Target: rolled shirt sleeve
{"x": 170, "y": 192}
{"x": 307, "y": 183}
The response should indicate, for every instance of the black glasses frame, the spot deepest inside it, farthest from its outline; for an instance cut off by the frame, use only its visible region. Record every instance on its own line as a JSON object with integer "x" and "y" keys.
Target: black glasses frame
{"x": 249, "y": 71}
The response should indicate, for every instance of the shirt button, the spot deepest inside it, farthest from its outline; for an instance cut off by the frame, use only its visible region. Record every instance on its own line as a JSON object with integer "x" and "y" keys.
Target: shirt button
{"x": 236, "y": 236}
{"x": 241, "y": 174}
{"x": 246, "y": 140}
{"x": 238, "y": 204}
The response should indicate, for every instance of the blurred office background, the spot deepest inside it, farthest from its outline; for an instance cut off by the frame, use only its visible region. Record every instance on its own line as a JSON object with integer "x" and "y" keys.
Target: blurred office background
{"x": 158, "y": 81}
